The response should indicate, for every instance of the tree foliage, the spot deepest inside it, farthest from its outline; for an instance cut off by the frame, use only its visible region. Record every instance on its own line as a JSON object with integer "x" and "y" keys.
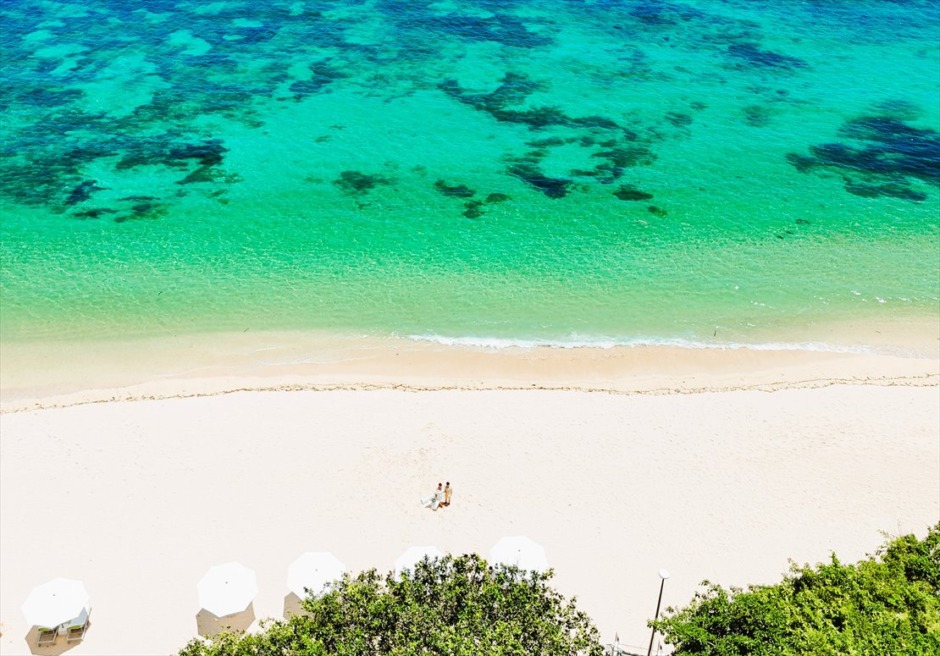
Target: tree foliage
{"x": 457, "y": 606}
{"x": 887, "y": 604}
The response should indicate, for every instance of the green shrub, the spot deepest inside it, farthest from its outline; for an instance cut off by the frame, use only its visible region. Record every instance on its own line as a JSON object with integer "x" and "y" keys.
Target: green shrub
{"x": 887, "y": 604}
{"x": 455, "y": 606}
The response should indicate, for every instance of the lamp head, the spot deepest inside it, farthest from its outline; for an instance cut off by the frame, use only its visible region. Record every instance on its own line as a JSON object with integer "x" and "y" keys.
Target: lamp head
{"x": 664, "y": 574}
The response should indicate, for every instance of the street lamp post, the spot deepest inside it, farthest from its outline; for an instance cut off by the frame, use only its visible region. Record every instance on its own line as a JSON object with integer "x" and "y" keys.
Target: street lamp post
{"x": 663, "y": 575}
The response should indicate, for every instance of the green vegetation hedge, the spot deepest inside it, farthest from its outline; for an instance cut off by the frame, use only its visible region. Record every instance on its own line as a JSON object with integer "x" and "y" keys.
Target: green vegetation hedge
{"x": 454, "y": 606}
{"x": 885, "y": 605}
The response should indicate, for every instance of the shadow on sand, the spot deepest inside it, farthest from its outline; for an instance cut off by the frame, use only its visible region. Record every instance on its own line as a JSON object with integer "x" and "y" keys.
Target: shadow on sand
{"x": 292, "y": 605}
{"x": 208, "y": 624}
{"x": 61, "y": 645}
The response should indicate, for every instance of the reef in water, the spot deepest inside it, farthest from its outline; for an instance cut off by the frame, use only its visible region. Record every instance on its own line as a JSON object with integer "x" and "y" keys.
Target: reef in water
{"x": 144, "y": 210}
{"x": 501, "y": 28}
{"x": 454, "y": 191}
{"x": 95, "y": 213}
{"x": 357, "y": 183}
{"x": 752, "y": 54}
{"x": 890, "y": 189}
{"x": 534, "y": 177}
{"x": 473, "y": 209}
{"x": 322, "y": 75}
{"x": 883, "y": 156}
{"x": 626, "y": 156}
{"x": 756, "y": 116}
{"x": 657, "y": 13}
{"x": 513, "y": 90}
{"x": 679, "y": 119}
{"x": 629, "y": 192}
{"x": 83, "y": 192}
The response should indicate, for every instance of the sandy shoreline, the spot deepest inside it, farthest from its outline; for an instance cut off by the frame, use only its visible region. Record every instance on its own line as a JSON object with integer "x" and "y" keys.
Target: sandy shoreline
{"x": 55, "y": 373}
{"x": 718, "y": 464}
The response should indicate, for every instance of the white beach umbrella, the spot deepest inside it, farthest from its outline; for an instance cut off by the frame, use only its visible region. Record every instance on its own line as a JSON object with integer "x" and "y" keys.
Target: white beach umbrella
{"x": 227, "y": 589}
{"x": 521, "y": 552}
{"x": 413, "y": 555}
{"x": 313, "y": 570}
{"x": 56, "y": 602}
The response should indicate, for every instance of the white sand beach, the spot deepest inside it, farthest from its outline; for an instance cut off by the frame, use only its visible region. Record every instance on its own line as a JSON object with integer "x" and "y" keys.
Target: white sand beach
{"x": 137, "y": 475}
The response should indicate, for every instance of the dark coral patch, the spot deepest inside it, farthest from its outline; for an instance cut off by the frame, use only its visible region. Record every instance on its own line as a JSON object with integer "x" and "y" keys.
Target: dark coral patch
{"x": 624, "y": 157}
{"x": 898, "y": 147}
{"x": 594, "y": 122}
{"x": 133, "y": 160}
{"x": 629, "y": 192}
{"x": 656, "y": 211}
{"x": 616, "y": 160}
{"x": 95, "y": 213}
{"x": 83, "y": 192}
{"x": 202, "y": 174}
{"x": 155, "y": 152}
{"x": 357, "y": 183}
{"x": 497, "y": 197}
{"x": 76, "y": 156}
{"x": 537, "y": 118}
{"x": 898, "y": 109}
{"x": 551, "y": 187}
{"x": 513, "y": 90}
{"x": 454, "y": 191}
{"x": 890, "y": 189}
{"x": 885, "y": 156}
{"x": 255, "y": 35}
{"x": 545, "y": 143}
{"x": 208, "y": 153}
{"x": 679, "y": 119}
{"x": 656, "y": 13}
{"x": 751, "y": 53}
{"x": 801, "y": 163}
{"x": 302, "y": 88}
{"x": 473, "y": 209}
{"x": 502, "y": 28}
{"x": 605, "y": 173}
{"x": 651, "y": 14}
{"x": 322, "y": 75}
{"x": 503, "y": 104}
{"x": 584, "y": 173}
{"x": 141, "y": 213}
{"x": 43, "y": 97}
{"x": 756, "y": 116}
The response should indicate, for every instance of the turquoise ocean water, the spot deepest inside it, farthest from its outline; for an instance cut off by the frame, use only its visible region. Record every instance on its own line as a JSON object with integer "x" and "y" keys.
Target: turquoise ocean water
{"x": 624, "y": 171}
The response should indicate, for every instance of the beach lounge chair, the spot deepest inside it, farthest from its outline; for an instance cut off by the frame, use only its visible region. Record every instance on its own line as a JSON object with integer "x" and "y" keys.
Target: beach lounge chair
{"x": 47, "y": 637}
{"x": 76, "y": 632}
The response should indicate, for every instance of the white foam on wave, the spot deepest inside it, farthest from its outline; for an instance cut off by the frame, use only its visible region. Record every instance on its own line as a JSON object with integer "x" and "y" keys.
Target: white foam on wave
{"x": 609, "y": 342}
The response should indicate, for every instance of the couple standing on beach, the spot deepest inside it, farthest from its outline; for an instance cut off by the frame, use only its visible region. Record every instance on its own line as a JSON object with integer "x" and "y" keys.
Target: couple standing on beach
{"x": 441, "y": 497}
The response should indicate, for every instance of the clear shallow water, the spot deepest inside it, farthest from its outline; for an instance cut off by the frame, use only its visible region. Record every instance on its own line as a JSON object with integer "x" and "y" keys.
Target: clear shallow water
{"x": 562, "y": 171}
